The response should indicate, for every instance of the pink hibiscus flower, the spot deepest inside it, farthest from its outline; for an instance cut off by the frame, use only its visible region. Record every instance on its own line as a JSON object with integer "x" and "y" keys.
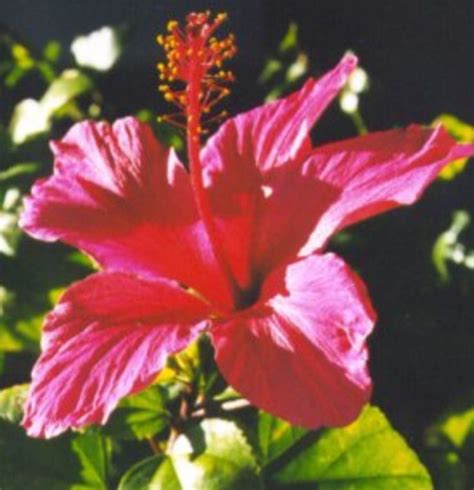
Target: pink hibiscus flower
{"x": 235, "y": 248}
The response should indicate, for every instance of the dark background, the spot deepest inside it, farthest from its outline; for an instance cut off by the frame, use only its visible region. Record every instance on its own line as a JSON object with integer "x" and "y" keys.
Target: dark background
{"x": 419, "y": 53}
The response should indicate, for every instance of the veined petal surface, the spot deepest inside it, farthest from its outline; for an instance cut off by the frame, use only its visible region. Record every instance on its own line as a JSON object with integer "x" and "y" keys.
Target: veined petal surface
{"x": 120, "y": 196}
{"x": 300, "y": 353}
{"x": 109, "y": 336}
{"x": 377, "y": 172}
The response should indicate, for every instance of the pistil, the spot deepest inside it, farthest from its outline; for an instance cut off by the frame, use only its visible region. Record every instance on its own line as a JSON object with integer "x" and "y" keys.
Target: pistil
{"x": 195, "y": 58}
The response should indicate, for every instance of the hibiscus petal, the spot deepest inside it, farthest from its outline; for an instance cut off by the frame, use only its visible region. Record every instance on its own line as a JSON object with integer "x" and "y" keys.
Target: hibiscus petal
{"x": 120, "y": 196}
{"x": 108, "y": 337}
{"x": 277, "y": 132}
{"x": 377, "y": 172}
{"x": 240, "y": 161}
{"x": 300, "y": 354}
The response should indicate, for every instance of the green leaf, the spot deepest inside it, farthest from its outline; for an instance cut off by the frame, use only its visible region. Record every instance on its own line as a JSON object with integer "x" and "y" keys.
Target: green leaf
{"x": 94, "y": 452}
{"x": 83, "y": 260}
{"x": 156, "y": 472}
{"x": 139, "y": 416}
{"x": 35, "y": 464}
{"x": 445, "y": 246}
{"x": 368, "y": 454}
{"x": 26, "y": 168}
{"x": 450, "y": 444}
{"x": 69, "y": 85}
{"x": 290, "y": 41}
{"x": 275, "y": 436}
{"x": 462, "y": 132}
{"x": 30, "y": 118}
{"x": 213, "y": 455}
{"x": 52, "y": 51}
{"x": 11, "y": 403}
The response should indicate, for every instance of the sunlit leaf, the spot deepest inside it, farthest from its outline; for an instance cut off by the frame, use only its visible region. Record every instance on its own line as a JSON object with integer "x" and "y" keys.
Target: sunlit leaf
{"x": 297, "y": 69}
{"x": 9, "y": 229}
{"x": 450, "y": 442}
{"x": 94, "y": 452}
{"x": 139, "y": 416}
{"x": 290, "y": 40}
{"x": 215, "y": 455}
{"x": 29, "y": 119}
{"x": 447, "y": 247}
{"x": 11, "y": 403}
{"x": 464, "y": 133}
{"x": 22, "y": 56}
{"x": 83, "y": 259}
{"x": 69, "y": 85}
{"x": 271, "y": 68}
{"x": 98, "y": 50}
{"x": 26, "y": 168}
{"x": 14, "y": 76}
{"x": 8, "y": 341}
{"x": 275, "y": 436}
{"x": 368, "y": 454}
{"x": 52, "y": 51}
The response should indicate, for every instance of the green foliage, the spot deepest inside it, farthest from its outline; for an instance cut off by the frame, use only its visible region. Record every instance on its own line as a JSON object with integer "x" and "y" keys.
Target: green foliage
{"x": 448, "y": 248}
{"x": 11, "y": 403}
{"x": 19, "y": 169}
{"x": 31, "y": 117}
{"x": 450, "y": 445}
{"x": 140, "y": 416}
{"x": 214, "y": 455}
{"x": 35, "y": 464}
{"x": 94, "y": 452}
{"x": 275, "y": 436}
{"x": 69, "y": 85}
{"x": 368, "y": 454}
{"x": 283, "y": 71}
{"x": 464, "y": 133}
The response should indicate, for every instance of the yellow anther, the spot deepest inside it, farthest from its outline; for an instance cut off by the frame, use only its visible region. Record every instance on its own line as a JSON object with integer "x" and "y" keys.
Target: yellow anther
{"x": 194, "y": 56}
{"x": 172, "y": 24}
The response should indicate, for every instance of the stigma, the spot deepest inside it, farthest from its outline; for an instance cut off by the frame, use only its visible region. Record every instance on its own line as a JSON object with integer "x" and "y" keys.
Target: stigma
{"x": 193, "y": 78}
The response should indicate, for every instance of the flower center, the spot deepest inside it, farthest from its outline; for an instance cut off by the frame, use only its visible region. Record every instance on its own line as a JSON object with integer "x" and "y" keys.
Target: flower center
{"x": 195, "y": 83}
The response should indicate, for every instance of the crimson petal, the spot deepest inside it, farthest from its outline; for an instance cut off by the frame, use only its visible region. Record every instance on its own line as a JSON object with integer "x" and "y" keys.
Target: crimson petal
{"x": 117, "y": 194}
{"x": 377, "y": 172}
{"x": 109, "y": 336}
{"x": 300, "y": 353}
{"x": 246, "y": 158}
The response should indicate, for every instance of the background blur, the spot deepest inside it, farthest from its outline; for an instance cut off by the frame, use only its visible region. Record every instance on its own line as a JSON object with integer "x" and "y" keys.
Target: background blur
{"x": 418, "y": 262}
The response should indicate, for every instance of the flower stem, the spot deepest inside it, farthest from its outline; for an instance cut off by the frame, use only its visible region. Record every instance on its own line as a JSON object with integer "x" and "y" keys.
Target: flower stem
{"x": 359, "y": 122}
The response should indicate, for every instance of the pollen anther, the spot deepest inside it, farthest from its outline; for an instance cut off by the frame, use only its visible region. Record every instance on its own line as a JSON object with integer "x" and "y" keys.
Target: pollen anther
{"x": 195, "y": 57}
